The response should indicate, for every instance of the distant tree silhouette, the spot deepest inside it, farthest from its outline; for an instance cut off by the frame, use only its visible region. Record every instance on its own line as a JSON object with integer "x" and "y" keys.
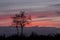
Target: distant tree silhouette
{"x": 21, "y": 20}
{"x": 33, "y": 36}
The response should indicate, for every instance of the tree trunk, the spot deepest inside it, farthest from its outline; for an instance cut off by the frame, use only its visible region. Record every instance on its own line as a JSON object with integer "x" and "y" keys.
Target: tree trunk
{"x": 21, "y": 30}
{"x": 17, "y": 30}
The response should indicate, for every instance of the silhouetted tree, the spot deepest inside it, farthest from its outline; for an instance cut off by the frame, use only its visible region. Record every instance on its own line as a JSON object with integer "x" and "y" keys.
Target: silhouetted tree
{"x": 21, "y": 20}
{"x": 24, "y": 20}
{"x": 16, "y": 22}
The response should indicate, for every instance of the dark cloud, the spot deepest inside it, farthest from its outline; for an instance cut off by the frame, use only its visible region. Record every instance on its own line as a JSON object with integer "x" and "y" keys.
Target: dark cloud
{"x": 47, "y": 20}
{"x": 56, "y": 5}
{"x": 58, "y": 13}
{"x": 41, "y": 16}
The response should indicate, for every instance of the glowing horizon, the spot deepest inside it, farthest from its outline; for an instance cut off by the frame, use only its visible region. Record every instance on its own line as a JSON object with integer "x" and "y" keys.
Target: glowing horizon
{"x": 43, "y": 12}
{"x": 41, "y": 22}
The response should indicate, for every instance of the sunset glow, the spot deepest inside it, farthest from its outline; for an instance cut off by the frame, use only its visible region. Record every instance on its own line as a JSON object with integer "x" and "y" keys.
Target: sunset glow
{"x": 44, "y": 13}
{"x": 41, "y": 22}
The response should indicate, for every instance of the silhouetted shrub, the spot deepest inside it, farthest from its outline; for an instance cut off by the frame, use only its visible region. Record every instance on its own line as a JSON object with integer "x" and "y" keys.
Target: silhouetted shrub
{"x": 33, "y": 36}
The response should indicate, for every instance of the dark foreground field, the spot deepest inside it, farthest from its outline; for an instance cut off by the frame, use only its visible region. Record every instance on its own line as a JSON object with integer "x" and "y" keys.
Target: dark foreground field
{"x": 33, "y": 36}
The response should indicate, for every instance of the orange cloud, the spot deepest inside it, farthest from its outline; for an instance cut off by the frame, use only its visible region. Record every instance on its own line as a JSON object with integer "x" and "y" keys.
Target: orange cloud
{"x": 50, "y": 20}
{"x": 8, "y": 22}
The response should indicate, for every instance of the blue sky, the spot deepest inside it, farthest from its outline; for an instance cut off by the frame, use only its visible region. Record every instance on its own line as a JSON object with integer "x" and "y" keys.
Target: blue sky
{"x": 14, "y": 4}
{"x": 8, "y": 6}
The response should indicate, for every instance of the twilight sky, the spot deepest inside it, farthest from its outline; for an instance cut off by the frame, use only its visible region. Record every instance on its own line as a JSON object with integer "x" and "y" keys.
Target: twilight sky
{"x": 43, "y": 12}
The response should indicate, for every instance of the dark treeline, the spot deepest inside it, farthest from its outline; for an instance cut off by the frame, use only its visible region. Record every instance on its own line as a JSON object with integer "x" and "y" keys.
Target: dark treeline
{"x": 33, "y": 36}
